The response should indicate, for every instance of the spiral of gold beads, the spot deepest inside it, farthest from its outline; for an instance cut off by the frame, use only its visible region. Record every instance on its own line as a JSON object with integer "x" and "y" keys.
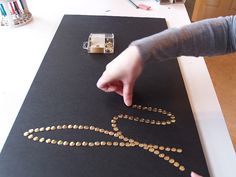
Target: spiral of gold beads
{"x": 124, "y": 141}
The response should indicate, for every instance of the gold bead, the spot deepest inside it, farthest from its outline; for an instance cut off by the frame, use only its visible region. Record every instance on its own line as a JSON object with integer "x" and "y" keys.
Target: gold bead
{"x": 126, "y": 139}
{"x": 166, "y": 158}
{"x": 113, "y": 121}
{"x": 109, "y": 143}
{"x": 103, "y": 143}
{"x": 75, "y": 126}
{"x": 113, "y": 125}
{"x": 159, "y": 110}
{"x": 131, "y": 140}
{"x": 156, "y": 152}
{"x": 72, "y": 143}
{"x": 59, "y": 127}
{"x": 91, "y": 144}
{"x": 81, "y": 127}
{"x": 115, "y": 143}
{"x": 161, "y": 155}
{"x": 122, "y": 144}
{"x": 86, "y": 127}
{"x": 70, "y": 126}
{"x": 131, "y": 117}
{"x": 167, "y": 149}
{"x": 48, "y": 128}
{"x": 176, "y": 164}
{"x": 145, "y": 147}
{"x": 115, "y": 129}
{"x": 154, "y": 110}
{"x": 64, "y": 126}
{"x": 26, "y": 134}
{"x": 65, "y": 143}
{"x": 153, "y": 122}
{"x": 136, "y": 142}
{"x": 163, "y": 123}
{"x": 84, "y": 143}
{"x": 91, "y": 127}
{"x": 149, "y": 108}
{"x": 116, "y": 135}
{"x": 121, "y": 137}
{"x": 41, "y": 129}
{"x": 173, "y": 149}
{"x": 134, "y": 106}
{"x": 96, "y": 129}
{"x": 53, "y": 141}
{"x": 147, "y": 121}
{"x": 127, "y": 144}
{"x": 106, "y": 132}
{"x": 48, "y": 140}
{"x": 155, "y": 147}
{"x": 169, "y": 114}
{"x": 151, "y": 149}
{"x": 141, "y": 120}
{"x": 181, "y": 168}
{"x": 171, "y": 160}
{"x": 161, "y": 148}
{"x": 97, "y": 143}
{"x": 173, "y": 120}
{"x": 52, "y": 128}
{"x": 41, "y": 140}
{"x": 172, "y": 117}
{"x": 78, "y": 143}
{"x": 158, "y": 123}
{"x": 31, "y": 130}
{"x": 30, "y": 136}
{"x": 179, "y": 150}
{"x": 36, "y": 130}
{"x": 101, "y": 130}
{"x": 168, "y": 122}
{"x": 111, "y": 133}
{"x": 36, "y": 138}
{"x": 60, "y": 142}
{"x": 136, "y": 119}
{"x": 140, "y": 145}
{"x": 125, "y": 116}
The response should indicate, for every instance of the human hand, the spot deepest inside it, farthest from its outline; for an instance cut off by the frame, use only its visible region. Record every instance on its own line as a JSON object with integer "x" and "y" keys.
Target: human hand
{"x": 121, "y": 73}
{"x": 195, "y": 175}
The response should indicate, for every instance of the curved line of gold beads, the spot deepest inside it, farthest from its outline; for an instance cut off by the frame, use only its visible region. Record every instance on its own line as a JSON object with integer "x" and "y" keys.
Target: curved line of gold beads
{"x": 127, "y": 142}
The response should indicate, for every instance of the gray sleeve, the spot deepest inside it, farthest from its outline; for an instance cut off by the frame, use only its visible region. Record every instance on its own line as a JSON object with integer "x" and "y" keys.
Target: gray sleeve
{"x": 203, "y": 38}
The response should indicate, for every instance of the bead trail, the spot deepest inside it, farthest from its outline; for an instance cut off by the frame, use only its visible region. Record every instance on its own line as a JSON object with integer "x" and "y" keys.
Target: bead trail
{"x": 124, "y": 141}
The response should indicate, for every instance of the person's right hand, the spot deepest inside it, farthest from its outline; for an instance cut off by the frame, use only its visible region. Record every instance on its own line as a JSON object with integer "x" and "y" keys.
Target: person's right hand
{"x": 121, "y": 73}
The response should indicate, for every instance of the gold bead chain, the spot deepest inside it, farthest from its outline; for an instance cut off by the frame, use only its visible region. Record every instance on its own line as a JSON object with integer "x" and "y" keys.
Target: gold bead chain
{"x": 124, "y": 141}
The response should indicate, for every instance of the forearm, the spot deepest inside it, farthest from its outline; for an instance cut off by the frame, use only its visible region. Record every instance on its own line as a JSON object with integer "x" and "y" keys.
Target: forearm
{"x": 204, "y": 38}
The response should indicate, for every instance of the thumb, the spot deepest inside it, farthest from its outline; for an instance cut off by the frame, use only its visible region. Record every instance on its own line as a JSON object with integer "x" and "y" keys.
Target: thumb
{"x": 128, "y": 93}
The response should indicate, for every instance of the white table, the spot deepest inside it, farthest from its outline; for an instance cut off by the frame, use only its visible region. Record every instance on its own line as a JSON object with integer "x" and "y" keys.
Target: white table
{"x": 22, "y": 50}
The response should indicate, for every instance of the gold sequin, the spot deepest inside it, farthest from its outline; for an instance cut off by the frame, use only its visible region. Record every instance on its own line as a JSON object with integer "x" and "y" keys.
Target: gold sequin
{"x": 78, "y": 143}
{"x": 36, "y": 138}
{"x": 26, "y": 134}
{"x": 84, "y": 143}
{"x": 70, "y": 126}
{"x": 53, "y": 141}
{"x": 41, "y": 140}
{"x": 65, "y": 143}
{"x": 171, "y": 160}
{"x": 181, "y": 168}
{"x": 72, "y": 143}
{"x": 161, "y": 155}
{"x": 125, "y": 141}
{"x": 48, "y": 140}
{"x": 60, "y": 142}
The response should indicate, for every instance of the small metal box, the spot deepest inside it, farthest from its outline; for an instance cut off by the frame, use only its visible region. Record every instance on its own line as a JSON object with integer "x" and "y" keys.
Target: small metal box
{"x": 100, "y": 43}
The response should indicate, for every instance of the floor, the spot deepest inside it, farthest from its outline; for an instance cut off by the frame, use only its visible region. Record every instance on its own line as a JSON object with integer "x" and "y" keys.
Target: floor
{"x": 222, "y": 70}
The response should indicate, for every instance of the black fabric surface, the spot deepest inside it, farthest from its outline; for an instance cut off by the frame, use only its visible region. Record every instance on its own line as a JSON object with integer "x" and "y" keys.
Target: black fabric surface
{"x": 64, "y": 92}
